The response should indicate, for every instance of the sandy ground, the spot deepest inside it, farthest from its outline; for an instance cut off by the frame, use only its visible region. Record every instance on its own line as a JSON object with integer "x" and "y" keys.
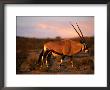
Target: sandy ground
{"x": 82, "y": 64}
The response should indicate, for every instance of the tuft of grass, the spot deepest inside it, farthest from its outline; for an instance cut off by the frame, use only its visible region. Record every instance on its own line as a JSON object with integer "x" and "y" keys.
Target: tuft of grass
{"x": 27, "y": 55}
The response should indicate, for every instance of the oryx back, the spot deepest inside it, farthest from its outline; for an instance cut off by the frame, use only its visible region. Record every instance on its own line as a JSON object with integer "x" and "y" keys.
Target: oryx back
{"x": 55, "y": 45}
{"x": 71, "y": 47}
{"x": 65, "y": 47}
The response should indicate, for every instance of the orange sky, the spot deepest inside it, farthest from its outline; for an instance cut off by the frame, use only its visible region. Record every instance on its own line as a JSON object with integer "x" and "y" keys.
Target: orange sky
{"x": 51, "y": 27}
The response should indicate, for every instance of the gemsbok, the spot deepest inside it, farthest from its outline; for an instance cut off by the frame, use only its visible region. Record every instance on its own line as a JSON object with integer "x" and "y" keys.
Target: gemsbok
{"x": 64, "y": 48}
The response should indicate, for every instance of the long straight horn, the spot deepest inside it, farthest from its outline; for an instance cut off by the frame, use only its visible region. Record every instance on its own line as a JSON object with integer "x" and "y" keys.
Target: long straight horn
{"x": 80, "y": 31}
{"x": 83, "y": 39}
{"x": 76, "y": 31}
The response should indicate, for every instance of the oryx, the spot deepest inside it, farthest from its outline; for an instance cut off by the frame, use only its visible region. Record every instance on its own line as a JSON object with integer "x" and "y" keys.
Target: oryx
{"x": 63, "y": 48}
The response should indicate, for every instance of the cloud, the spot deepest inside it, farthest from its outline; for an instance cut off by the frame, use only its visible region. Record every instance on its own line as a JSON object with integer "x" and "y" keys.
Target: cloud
{"x": 42, "y": 26}
{"x": 58, "y": 28}
{"x": 51, "y": 26}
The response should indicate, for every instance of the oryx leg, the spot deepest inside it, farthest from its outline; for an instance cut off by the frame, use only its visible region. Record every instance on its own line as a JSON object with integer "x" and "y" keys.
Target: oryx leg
{"x": 49, "y": 58}
{"x": 61, "y": 61}
{"x": 71, "y": 60}
{"x": 40, "y": 58}
{"x": 45, "y": 57}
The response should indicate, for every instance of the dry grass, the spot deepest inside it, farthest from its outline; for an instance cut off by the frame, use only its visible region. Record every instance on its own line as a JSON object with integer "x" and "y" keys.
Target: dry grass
{"x": 27, "y": 56}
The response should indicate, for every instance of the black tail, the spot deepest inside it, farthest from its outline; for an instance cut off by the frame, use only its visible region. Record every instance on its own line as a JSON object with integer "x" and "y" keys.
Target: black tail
{"x": 40, "y": 57}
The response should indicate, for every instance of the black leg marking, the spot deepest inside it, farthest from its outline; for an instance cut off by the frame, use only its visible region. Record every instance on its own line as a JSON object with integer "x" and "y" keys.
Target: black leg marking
{"x": 40, "y": 57}
{"x": 45, "y": 56}
{"x": 49, "y": 58}
{"x": 63, "y": 57}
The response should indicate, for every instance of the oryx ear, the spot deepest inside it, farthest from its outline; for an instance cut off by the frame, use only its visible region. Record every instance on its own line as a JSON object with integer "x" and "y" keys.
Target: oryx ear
{"x": 81, "y": 41}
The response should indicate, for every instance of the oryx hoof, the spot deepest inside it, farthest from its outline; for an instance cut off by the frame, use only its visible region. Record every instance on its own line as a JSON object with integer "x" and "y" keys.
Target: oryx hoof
{"x": 72, "y": 65}
{"x": 60, "y": 66}
{"x": 41, "y": 66}
{"x": 47, "y": 66}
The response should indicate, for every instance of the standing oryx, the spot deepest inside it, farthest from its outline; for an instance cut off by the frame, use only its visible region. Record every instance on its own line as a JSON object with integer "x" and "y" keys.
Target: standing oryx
{"x": 63, "y": 48}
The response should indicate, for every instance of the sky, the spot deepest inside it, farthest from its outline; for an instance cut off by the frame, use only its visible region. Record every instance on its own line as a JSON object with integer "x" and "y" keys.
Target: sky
{"x": 54, "y": 26}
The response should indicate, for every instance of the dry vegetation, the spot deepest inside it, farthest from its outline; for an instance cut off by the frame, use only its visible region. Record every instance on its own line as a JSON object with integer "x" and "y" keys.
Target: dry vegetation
{"x": 28, "y": 50}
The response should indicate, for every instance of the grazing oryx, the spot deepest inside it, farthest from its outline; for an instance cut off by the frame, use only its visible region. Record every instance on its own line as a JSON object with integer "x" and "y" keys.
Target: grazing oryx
{"x": 63, "y": 48}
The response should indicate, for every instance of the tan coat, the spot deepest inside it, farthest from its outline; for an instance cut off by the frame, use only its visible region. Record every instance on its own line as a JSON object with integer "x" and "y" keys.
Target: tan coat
{"x": 66, "y": 47}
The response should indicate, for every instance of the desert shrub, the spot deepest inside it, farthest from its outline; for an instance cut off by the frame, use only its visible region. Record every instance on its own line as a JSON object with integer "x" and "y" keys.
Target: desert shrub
{"x": 25, "y": 61}
{"x": 20, "y": 58}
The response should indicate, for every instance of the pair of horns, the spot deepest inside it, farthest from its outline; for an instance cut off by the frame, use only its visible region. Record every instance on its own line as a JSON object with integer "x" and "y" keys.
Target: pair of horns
{"x": 81, "y": 36}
